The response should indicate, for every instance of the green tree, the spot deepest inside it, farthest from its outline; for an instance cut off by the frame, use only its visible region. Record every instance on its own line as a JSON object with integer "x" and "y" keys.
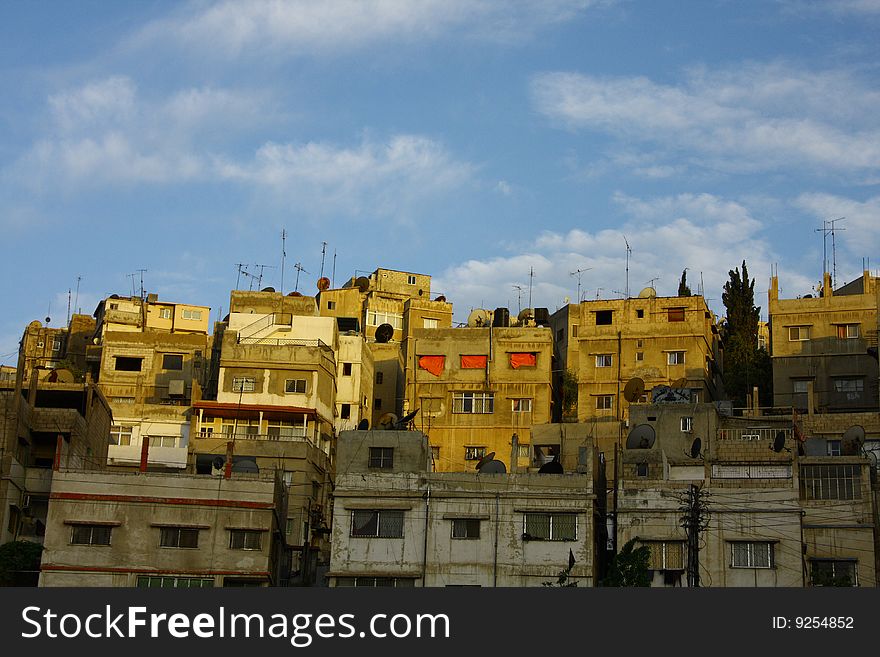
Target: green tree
{"x": 745, "y": 365}
{"x": 630, "y": 566}
{"x": 683, "y": 289}
{"x": 19, "y": 563}
{"x": 569, "y": 395}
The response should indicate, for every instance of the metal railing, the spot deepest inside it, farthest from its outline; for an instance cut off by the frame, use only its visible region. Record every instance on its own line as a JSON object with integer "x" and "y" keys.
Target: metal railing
{"x": 750, "y": 433}
{"x": 286, "y": 342}
{"x": 298, "y": 435}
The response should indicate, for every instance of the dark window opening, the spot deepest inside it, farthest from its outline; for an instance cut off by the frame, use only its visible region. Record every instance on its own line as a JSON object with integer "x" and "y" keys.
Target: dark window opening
{"x": 128, "y": 364}
{"x": 604, "y": 317}
{"x": 172, "y": 362}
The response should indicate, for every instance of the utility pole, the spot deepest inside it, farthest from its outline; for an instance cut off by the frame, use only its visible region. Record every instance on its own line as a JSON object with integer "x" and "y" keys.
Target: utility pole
{"x": 694, "y": 520}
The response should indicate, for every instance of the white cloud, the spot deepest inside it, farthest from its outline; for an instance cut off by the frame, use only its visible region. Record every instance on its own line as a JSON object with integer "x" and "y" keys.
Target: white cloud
{"x": 755, "y": 118}
{"x": 707, "y": 234}
{"x": 296, "y": 27}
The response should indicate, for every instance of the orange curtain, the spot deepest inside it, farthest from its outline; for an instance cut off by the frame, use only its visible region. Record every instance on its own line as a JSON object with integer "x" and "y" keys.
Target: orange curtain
{"x": 473, "y": 362}
{"x": 433, "y": 364}
{"x": 518, "y": 360}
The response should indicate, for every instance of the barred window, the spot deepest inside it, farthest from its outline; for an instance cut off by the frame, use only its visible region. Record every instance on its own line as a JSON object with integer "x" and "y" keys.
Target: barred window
{"x": 474, "y": 453}
{"x": 831, "y": 482}
{"x": 165, "y": 582}
{"x": 243, "y": 383}
{"x": 465, "y": 528}
{"x": 751, "y": 554}
{"x": 833, "y": 572}
{"x": 385, "y": 523}
{"x": 473, "y": 402}
{"x": 396, "y": 582}
{"x": 550, "y": 526}
{"x": 666, "y": 555}
{"x": 381, "y": 457}
{"x": 179, "y": 537}
{"x": 91, "y": 535}
{"x": 245, "y": 539}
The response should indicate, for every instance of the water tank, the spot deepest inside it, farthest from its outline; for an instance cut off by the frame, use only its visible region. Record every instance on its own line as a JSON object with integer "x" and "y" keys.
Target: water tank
{"x": 542, "y": 316}
{"x": 501, "y": 317}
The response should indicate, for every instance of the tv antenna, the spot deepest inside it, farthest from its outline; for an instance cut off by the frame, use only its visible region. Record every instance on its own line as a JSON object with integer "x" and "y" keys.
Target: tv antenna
{"x": 242, "y": 269}
{"x": 628, "y": 254}
{"x": 76, "y": 298}
{"x": 827, "y": 229}
{"x": 579, "y": 273}
{"x": 651, "y": 281}
{"x": 599, "y": 289}
{"x": 132, "y": 276}
{"x": 519, "y": 290}
{"x": 299, "y": 268}
{"x": 323, "y": 252}
{"x": 283, "y": 256}
{"x": 531, "y": 276}
{"x": 260, "y": 276}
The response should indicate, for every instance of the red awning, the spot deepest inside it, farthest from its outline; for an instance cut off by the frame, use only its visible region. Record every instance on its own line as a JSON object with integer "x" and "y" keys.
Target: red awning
{"x": 473, "y": 362}
{"x": 433, "y": 364}
{"x": 220, "y": 409}
{"x": 526, "y": 359}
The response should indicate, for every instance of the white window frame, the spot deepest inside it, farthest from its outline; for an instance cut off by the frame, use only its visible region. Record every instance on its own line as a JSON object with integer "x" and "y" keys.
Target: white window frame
{"x": 244, "y": 383}
{"x": 752, "y": 554}
{"x": 410, "y": 279}
{"x": 521, "y": 405}
{"x": 430, "y": 323}
{"x": 246, "y": 539}
{"x": 477, "y": 403}
{"x": 850, "y": 331}
{"x": 798, "y": 333}
{"x": 379, "y": 317}
{"x": 604, "y": 360}
{"x": 165, "y": 313}
{"x": 193, "y": 315}
{"x": 297, "y": 384}
{"x": 554, "y": 521}
{"x": 675, "y": 357}
{"x": 121, "y": 434}
{"x": 687, "y": 424}
{"x": 474, "y": 453}
{"x": 600, "y": 402}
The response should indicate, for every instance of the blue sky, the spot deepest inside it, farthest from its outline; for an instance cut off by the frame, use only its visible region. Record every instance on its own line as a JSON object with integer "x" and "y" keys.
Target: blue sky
{"x": 472, "y": 140}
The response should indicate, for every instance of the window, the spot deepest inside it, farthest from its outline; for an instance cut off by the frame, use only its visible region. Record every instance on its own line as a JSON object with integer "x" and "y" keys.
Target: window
{"x": 574, "y": 330}
{"x": 179, "y": 537}
{"x": 346, "y": 369}
{"x": 523, "y": 359}
{"x": 120, "y": 435}
{"x": 376, "y": 317}
{"x": 640, "y": 356}
{"x": 410, "y": 279}
{"x": 833, "y": 447}
{"x": 848, "y": 331}
{"x": 166, "y": 582}
{"x": 385, "y": 523}
{"x": 831, "y": 482}
{"x": 798, "y": 333}
{"x": 91, "y": 535}
{"x": 604, "y": 317}
{"x": 191, "y": 314}
{"x": 473, "y": 402}
{"x": 295, "y": 386}
{"x": 377, "y": 404}
{"x": 604, "y": 402}
{"x": 162, "y": 441}
{"x": 243, "y": 383}
{"x": 687, "y": 424}
{"x": 430, "y": 323}
{"x": 331, "y": 305}
{"x": 675, "y": 358}
{"x": 848, "y": 386}
{"x": 380, "y": 376}
{"x": 473, "y": 361}
{"x": 172, "y": 362}
{"x": 640, "y": 313}
{"x": 666, "y": 555}
{"x": 675, "y": 314}
{"x": 560, "y": 335}
{"x": 164, "y": 313}
{"x": 641, "y": 470}
{"x": 800, "y": 386}
{"x": 474, "y": 453}
{"x": 550, "y": 527}
{"x": 833, "y": 572}
{"x": 467, "y": 528}
{"x": 751, "y": 554}
{"x": 524, "y": 451}
{"x": 396, "y": 582}
{"x": 56, "y": 344}
{"x": 245, "y": 539}
{"x": 639, "y": 344}
{"x": 435, "y": 455}
{"x": 382, "y": 457}
{"x": 128, "y": 364}
{"x": 521, "y": 405}
{"x": 603, "y": 360}
{"x": 345, "y": 411}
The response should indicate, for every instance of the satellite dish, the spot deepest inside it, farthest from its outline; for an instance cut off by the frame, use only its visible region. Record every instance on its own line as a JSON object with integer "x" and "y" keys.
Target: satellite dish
{"x": 363, "y": 425}
{"x": 483, "y": 461}
{"x": 647, "y": 293}
{"x": 403, "y": 422}
{"x": 384, "y": 332}
{"x": 295, "y": 294}
{"x": 218, "y": 462}
{"x": 440, "y": 298}
{"x": 323, "y": 283}
{"x": 525, "y": 315}
{"x": 679, "y": 383}
{"x": 553, "y": 467}
{"x": 60, "y": 375}
{"x": 421, "y": 291}
{"x": 853, "y": 439}
{"x": 387, "y": 421}
{"x": 695, "y": 448}
{"x": 245, "y": 465}
{"x": 268, "y": 289}
{"x": 362, "y": 283}
{"x": 493, "y": 467}
{"x": 642, "y": 436}
{"x": 779, "y": 442}
{"x": 478, "y": 317}
{"x": 633, "y": 390}
{"x": 566, "y": 300}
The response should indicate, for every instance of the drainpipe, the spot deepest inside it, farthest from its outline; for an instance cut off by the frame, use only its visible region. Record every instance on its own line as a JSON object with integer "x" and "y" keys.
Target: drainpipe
{"x": 425, "y": 555}
{"x": 495, "y": 556}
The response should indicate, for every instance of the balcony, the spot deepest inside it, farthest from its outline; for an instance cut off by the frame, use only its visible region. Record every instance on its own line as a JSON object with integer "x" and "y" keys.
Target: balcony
{"x": 297, "y": 436}
{"x": 169, "y": 457}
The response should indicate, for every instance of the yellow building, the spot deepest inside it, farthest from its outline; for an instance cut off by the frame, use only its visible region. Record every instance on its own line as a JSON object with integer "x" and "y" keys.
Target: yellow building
{"x": 474, "y": 388}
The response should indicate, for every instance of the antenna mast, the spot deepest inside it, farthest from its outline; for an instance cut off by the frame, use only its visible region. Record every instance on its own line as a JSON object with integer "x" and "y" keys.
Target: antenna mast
{"x": 76, "y": 298}
{"x": 323, "y": 251}
{"x": 827, "y": 229}
{"x": 531, "y": 276}
{"x": 628, "y": 253}
{"x": 283, "y": 255}
{"x": 578, "y": 273}
{"x": 299, "y": 268}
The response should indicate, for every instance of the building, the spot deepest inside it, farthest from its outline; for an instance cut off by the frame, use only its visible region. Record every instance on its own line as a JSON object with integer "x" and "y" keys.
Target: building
{"x": 475, "y": 388}
{"x": 397, "y": 523}
{"x": 820, "y": 347}
{"x": 123, "y": 529}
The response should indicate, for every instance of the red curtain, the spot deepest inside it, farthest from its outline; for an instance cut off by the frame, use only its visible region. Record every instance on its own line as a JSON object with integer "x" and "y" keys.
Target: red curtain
{"x": 473, "y": 362}
{"x": 433, "y": 364}
{"x": 518, "y": 360}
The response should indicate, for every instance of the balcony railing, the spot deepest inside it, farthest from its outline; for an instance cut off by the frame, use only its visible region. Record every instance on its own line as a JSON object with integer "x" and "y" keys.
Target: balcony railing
{"x": 763, "y": 433}
{"x": 298, "y": 435}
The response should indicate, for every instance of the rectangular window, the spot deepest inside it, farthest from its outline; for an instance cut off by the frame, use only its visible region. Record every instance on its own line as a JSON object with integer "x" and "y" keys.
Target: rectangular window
{"x": 473, "y": 402}
{"x": 295, "y": 386}
{"x": 179, "y": 537}
{"x": 849, "y": 385}
{"x": 675, "y": 314}
{"x": 604, "y": 402}
{"x": 751, "y": 554}
{"x": 524, "y": 451}
{"x": 380, "y": 377}
{"x": 410, "y": 279}
{"x": 521, "y": 405}
{"x": 833, "y": 447}
{"x": 640, "y": 356}
{"x": 435, "y": 455}
{"x": 91, "y": 535}
{"x": 473, "y": 361}
{"x": 675, "y": 358}
{"x": 640, "y": 313}
{"x": 377, "y": 404}
{"x": 192, "y": 314}
{"x": 848, "y": 331}
{"x": 120, "y": 435}
{"x": 799, "y": 386}
{"x": 375, "y": 318}
{"x": 430, "y": 323}
{"x": 465, "y": 528}
{"x": 641, "y": 470}
{"x": 376, "y": 582}
{"x": 574, "y": 330}
{"x": 243, "y": 383}
{"x": 798, "y": 333}
{"x": 523, "y": 359}
{"x": 331, "y": 305}
{"x": 345, "y": 411}
{"x": 56, "y": 344}
{"x": 604, "y": 317}
{"x": 169, "y": 582}
{"x": 382, "y": 457}
{"x": 603, "y": 360}
{"x": 831, "y": 482}
{"x": 833, "y": 572}
{"x": 172, "y": 362}
{"x": 164, "y": 313}
{"x": 550, "y": 526}
{"x": 384, "y": 523}
{"x": 346, "y": 369}
{"x": 666, "y": 555}
{"x": 245, "y": 539}
{"x": 474, "y": 453}
{"x": 128, "y": 364}
{"x": 687, "y": 424}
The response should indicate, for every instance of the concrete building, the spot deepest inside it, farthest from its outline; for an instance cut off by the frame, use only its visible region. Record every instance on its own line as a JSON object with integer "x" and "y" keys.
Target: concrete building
{"x": 396, "y": 523}
{"x": 820, "y": 347}
{"x": 474, "y": 388}
{"x": 163, "y": 530}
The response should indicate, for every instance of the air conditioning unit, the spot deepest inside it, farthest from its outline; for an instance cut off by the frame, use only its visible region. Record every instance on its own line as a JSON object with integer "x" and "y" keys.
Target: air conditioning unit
{"x": 176, "y": 388}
